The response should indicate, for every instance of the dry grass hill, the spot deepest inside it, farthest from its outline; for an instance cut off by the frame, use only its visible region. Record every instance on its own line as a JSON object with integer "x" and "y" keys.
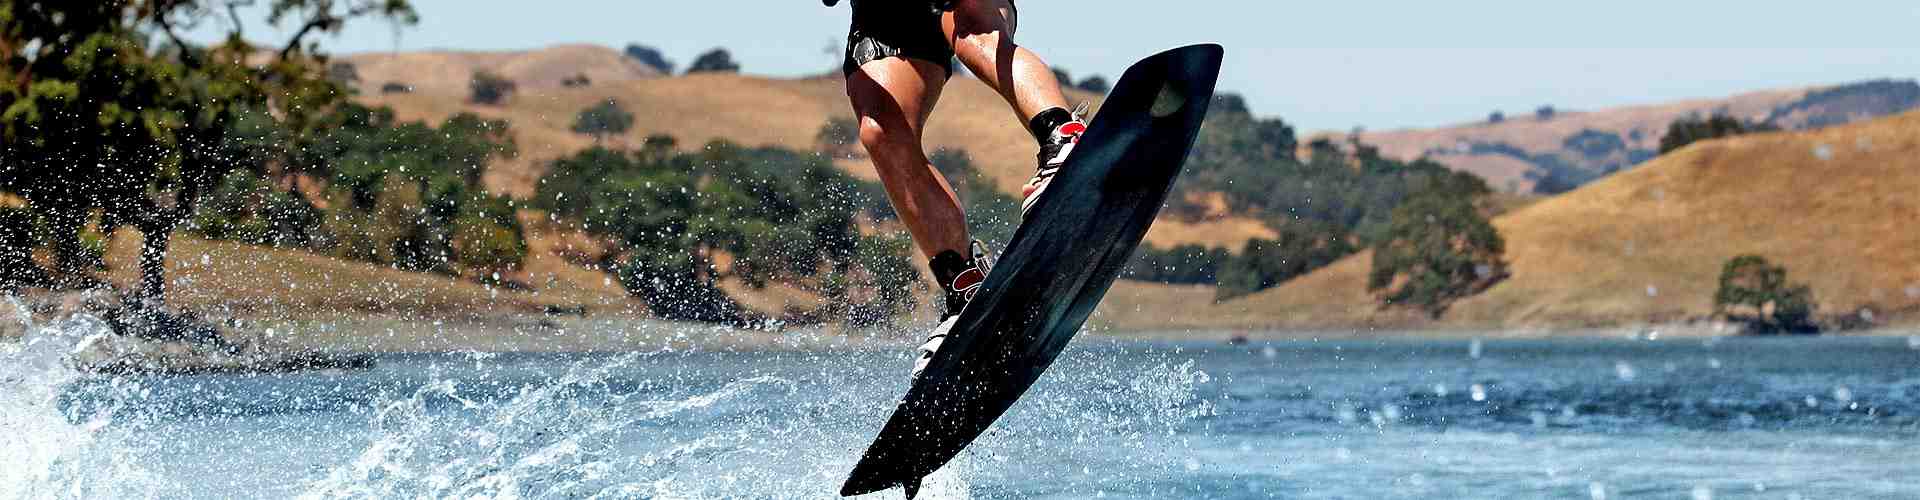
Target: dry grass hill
{"x": 1506, "y": 152}
{"x": 1645, "y": 245}
{"x": 447, "y": 71}
{"x": 1836, "y": 206}
{"x": 703, "y": 107}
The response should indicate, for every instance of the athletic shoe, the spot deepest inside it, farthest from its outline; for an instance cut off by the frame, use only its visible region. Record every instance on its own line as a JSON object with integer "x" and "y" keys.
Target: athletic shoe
{"x": 959, "y": 292}
{"x": 932, "y": 345}
{"x": 1053, "y": 155}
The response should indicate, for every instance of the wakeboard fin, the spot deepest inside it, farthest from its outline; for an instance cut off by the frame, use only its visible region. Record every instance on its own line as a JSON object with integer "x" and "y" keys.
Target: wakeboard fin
{"x": 912, "y": 487}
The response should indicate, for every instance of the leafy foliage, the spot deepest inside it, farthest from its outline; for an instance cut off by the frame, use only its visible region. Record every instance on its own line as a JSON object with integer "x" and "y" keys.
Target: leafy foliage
{"x": 768, "y": 213}
{"x": 603, "y": 119}
{"x": 651, "y": 57}
{"x": 1594, "y": 143}
{"x": 97, "y": 120}
{"x": 1263, "y": 264}
{"x": 838, "y": 136}
{"x": 1189, "y": 264}
{"x": 717, "y": 60}
{"x": 246, "y": 208}
{"x": 1776, "y": 306}
{"x": 1326, "y": 206}
{"x": 401, "y": 194}
{"x": 1438, "y": 248}
{"x": 1844, "y": 103}
{"x": 992, "y": 215}
{"x": 1095, "y": 83}
{"x": 1686, "y": 131}
{"x": 488, "y": 87}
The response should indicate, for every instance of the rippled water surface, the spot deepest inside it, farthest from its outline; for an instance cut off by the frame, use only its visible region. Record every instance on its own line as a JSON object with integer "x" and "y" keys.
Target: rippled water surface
{"x": 1736, "y": 418}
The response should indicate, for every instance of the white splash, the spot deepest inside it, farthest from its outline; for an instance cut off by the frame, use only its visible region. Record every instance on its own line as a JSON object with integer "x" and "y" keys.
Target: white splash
{"x": 49, "y": 453}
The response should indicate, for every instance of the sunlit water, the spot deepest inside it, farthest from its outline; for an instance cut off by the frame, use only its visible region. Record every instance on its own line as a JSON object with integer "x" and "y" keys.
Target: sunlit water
{"x": 1759, "y": 418}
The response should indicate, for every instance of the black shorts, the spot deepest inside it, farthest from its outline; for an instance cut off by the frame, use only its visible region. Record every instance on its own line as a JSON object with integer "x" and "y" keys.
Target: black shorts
{"x": 896, "y": 28}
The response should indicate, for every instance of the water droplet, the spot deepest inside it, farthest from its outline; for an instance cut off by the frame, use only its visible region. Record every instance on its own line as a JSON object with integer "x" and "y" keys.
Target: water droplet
{"x": 1624, "y": 371}
{"x": 1597, "y": 491}
{"x": 1479, "y": 392}
{"x": 1842, "y": 394}
{"x": 1346, "y": 414}
{"x": 1474, "y": 349}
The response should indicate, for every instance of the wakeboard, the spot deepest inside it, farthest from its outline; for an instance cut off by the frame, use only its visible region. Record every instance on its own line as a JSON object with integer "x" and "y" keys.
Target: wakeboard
{"x": 1059, "y": 264}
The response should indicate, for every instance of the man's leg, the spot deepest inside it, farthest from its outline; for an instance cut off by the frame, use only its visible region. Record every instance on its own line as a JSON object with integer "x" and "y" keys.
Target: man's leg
{"x": 892, "y": 98}
{"x": 981, "y": 32}
{"x": 982, "y": 36}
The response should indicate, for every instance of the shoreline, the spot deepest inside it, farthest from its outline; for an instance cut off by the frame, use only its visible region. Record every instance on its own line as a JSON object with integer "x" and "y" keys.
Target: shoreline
{"x": 378, "y": 335}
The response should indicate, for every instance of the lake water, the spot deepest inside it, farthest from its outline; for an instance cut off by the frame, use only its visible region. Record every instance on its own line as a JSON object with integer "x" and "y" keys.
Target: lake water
{"x": 1729, "y": 418}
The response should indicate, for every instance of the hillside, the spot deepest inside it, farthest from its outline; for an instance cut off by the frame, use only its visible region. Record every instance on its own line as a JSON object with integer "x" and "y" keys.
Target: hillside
{"x": 448, "y": 71}
{"x": 1834, "y": 206}
{"x": 702, "y": 107}
{"x": 1515, "y": 153}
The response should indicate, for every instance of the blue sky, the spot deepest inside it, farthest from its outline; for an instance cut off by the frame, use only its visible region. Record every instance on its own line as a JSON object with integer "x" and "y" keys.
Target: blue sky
{"x": 1320, "y": 65}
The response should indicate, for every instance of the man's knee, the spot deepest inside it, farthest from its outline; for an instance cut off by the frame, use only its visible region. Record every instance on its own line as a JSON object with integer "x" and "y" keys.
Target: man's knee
{"x": 883, "y": 141}
{"x": 982, "y": 23}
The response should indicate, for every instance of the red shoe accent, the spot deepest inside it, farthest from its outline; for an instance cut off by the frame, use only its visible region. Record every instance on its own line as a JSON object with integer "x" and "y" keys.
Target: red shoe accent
{"x": 969, "y": 281}
{"x": 1073, "y": 129}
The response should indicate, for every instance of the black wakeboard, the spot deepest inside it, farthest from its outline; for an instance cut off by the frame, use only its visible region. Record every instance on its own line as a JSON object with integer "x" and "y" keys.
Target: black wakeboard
{"x": 1060, "y": 263}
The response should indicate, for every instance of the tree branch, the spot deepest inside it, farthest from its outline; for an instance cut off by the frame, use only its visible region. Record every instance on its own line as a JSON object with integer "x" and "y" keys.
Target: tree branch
{"x": 187, "y": 56}
{"x": 324, "y": 21}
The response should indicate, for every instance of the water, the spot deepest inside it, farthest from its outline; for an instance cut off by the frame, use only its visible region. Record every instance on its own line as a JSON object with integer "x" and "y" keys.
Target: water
{"x": 1740, "y": 418}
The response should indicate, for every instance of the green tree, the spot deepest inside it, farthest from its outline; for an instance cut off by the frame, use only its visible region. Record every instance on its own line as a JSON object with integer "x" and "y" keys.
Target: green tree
{"x": 1771, "y": 304}
{"x": 602, "y": 120}
{"x": 96, "y": 120}
{"x": 1096, "y": 84}
{"x": 780, "y": 215}
{"x": 717, "y": 60}
{"x": 410, "y": 188}
{"x": 1438, "y": 248}
{"x": 1189, "y": 264}
{"x": 490, "y": 88}
{"x": 1685, "y": 131}
{"x": 1300, "y": 248}
{"x": 651, "y": 57}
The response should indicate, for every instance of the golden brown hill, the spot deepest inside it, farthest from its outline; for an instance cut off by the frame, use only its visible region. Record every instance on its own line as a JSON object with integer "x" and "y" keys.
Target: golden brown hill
{"x": 1513, "y": 154}
{"x": 698, "y": 108}
{"x": 447, "y": 71}
{"x": 1639, "y": 127}
{"x": 1837, "y": 206}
